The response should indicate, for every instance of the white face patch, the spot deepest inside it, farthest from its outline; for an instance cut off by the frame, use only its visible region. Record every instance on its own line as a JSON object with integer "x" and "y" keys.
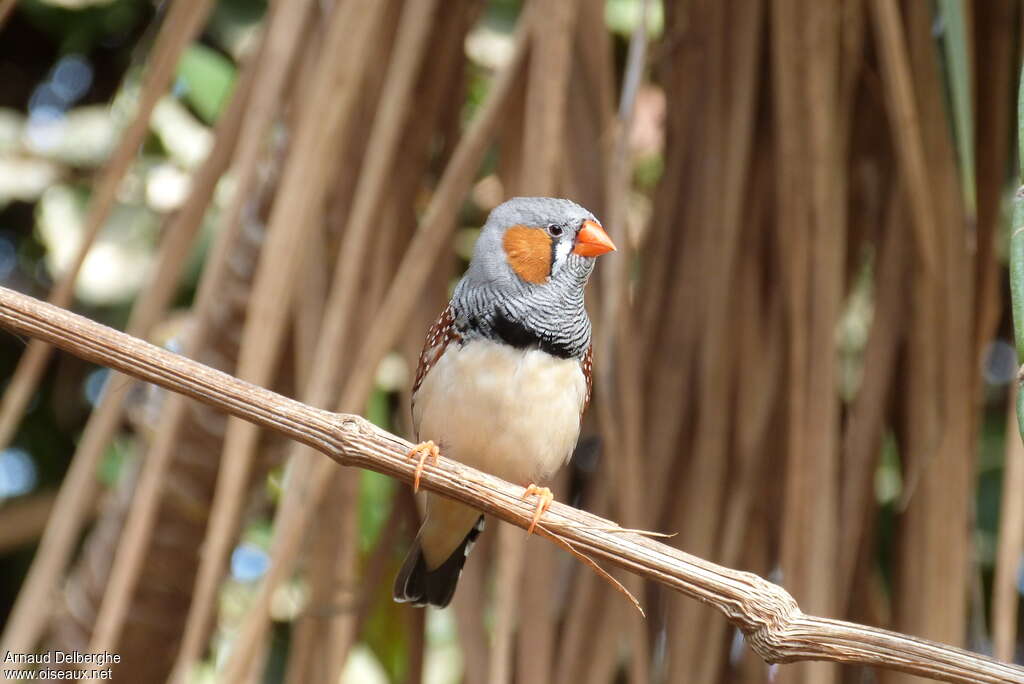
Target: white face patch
{"x": 562, "y": 249}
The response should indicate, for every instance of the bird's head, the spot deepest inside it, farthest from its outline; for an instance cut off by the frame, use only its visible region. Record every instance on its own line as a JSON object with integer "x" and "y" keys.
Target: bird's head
{"x": 538, "y": 240}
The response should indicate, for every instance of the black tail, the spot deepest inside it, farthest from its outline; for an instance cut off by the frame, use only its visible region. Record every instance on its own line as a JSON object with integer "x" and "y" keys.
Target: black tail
{"x": 417, "y": 585}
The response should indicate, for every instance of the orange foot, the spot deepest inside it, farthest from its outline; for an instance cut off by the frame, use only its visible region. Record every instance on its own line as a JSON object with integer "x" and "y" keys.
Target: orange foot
{"x": 421, "y": 452}
{"x": 544, "y": 499}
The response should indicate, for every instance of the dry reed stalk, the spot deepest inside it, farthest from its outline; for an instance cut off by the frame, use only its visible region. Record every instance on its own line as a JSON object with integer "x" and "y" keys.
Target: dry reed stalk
{"x": 603, "y": 658}
{"x": 767, "y": 614}
{"x": 695, "y": 512}
{"x": 671, "y": 325}
{"x": 934, "y": 527}
{"x": 852, "y": 35}
{"x": 755, "y": 388}
{"x": 669, "y": 276}
{"x": 340, "y": 634}
{"x": 550, "y": 66}
{"x": 919, "y": 433}
{"x": 730, "y": 129}
{"x": 672, "y": 315}
{"x": 310, "y": 299}
{"x": 470, "y": 607}
{"x": 1010, "y": 550}
{"x": 590, "y": 119}
{"x": 183, "y": 21}
{"x": 994, "y": 64}
{"x": 508, "y": 564}
{"x": 818, "y": 543}
{"x": 583, "y": 600}
{"x": 27, "y": 618}
{"x": 906, "y": 124}
{"x": 590, "y": 115}
{"x": 303, "y": 74}
{"x": 811, "y": 231}
{"x": 135, "y": 536}
{"x": 596, "y": 59}
{"x": 300, "y": 652}
{"x": 302, "y": 664}
{"x": 417, "y": 627}
{"x": 509, "y": 168}
{"x": 346, "y": 169}
{"x": 577, "y": 631}
{"x": 758, "y": 328}
{"x": 23, "y": 520}
{"x": 668, "y": 341}
{"x": 294, "y": 214}
{"x": 583, "y": 180}
{"x": 869, "y": 412}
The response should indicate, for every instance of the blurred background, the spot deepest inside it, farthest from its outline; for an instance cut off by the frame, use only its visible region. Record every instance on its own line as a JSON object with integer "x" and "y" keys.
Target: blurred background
{"x": 803, "y": 349}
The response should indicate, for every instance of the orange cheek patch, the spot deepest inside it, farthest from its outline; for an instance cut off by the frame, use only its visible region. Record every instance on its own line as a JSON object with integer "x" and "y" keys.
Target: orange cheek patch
{"x": 529, "y": 253}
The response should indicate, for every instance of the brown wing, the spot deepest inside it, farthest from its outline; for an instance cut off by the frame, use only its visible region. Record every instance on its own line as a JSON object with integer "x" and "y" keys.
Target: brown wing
{"x": 588, "y": 373}
{"x": 438, "y": 337}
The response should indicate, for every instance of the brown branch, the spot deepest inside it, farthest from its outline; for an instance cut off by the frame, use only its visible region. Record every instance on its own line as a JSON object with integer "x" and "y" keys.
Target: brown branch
{"x": 765, "y": 612}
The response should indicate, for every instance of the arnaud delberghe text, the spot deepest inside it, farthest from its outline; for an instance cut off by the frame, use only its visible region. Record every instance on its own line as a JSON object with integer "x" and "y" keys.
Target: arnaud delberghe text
{"x": 62, "y": 657}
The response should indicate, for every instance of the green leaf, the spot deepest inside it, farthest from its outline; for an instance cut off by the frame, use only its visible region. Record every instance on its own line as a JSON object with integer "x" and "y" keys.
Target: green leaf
{"x": 205, "y": 80}
{"x": 375, "y": 494}
{"x": 1017, "y": 252}
{"x": 378, "y": 409}
{"x": 958, "y": 66}
{"x": 622, "y": 16}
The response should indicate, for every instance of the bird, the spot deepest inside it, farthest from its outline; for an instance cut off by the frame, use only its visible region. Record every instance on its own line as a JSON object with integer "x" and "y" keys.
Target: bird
{"x": 504, "y": 376}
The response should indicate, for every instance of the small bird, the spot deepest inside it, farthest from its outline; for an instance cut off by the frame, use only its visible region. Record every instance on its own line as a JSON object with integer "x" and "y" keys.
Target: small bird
{"x": 504, "y": 376}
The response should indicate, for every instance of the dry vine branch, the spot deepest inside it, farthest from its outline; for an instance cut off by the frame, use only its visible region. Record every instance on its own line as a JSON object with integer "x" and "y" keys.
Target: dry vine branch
{"x": 765, "y": 612}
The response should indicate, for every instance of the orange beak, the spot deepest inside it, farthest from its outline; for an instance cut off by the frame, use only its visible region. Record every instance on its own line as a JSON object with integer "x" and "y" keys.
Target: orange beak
{"x": 592, "y": 241}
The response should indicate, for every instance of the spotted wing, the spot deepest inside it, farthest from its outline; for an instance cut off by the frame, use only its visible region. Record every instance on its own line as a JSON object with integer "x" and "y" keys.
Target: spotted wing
{"x": 588, "y": 373}
{"x": 440, "y": 335}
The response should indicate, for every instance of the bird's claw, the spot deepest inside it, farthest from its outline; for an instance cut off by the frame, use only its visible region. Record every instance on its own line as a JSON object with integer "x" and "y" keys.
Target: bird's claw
{"x": 544, "y": 499}
{"x": 421, "y": 452}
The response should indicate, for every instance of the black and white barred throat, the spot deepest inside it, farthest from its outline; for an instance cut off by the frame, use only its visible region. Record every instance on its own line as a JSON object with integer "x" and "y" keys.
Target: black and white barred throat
{"x": 550, "y": 317}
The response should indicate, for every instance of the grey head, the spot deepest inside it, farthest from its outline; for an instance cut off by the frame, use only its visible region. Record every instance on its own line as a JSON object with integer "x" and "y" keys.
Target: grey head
{"x": 525, "y": 283}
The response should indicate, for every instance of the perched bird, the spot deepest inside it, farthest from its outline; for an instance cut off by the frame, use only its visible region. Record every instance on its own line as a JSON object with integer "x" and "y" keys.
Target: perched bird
{"x": 505, "y": 374}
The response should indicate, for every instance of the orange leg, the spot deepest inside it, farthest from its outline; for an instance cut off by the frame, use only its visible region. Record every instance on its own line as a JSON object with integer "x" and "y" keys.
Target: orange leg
{"x": 421, "y": 452}
{"x": 544, "y": 499}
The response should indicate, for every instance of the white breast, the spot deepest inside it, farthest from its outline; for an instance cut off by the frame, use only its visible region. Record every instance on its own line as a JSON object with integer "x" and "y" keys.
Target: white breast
{"x": 514, "y": 413}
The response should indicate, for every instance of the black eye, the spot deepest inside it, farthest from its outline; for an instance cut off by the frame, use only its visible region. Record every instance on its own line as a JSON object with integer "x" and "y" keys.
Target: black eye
{"x": 555, "y": 230}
